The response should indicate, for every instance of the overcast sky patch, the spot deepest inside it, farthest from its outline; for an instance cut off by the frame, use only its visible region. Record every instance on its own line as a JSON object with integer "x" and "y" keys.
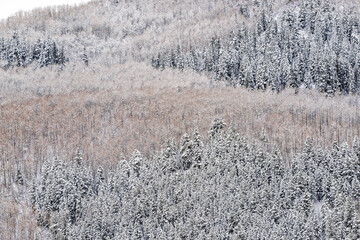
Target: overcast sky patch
{"x": 10, "y": 7}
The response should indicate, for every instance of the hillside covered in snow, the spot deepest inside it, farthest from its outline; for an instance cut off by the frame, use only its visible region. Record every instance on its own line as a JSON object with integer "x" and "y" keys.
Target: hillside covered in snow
{"x": 205, "y": 119}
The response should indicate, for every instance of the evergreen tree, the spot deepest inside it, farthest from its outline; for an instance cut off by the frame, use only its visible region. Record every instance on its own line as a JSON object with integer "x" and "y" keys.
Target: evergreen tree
{"x": 235, "y": 189}
{"x": 19, "y": 178}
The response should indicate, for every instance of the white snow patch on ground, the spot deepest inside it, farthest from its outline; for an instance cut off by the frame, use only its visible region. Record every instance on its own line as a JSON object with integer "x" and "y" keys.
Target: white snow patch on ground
{"x": 318, "y": 205}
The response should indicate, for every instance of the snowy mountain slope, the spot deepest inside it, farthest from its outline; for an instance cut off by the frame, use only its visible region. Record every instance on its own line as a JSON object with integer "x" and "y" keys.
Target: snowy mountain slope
{"x": 113, "y": 102}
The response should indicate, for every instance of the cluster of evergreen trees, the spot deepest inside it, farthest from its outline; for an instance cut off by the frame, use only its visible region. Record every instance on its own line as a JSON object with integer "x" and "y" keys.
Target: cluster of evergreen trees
{"x": 223, "y": 188}
{"x": 17, "y": 52}
{"x": 311, "y": 45}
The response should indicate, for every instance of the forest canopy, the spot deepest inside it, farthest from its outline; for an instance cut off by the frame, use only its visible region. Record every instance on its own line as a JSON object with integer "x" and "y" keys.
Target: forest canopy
{"x": 315, "y": 46}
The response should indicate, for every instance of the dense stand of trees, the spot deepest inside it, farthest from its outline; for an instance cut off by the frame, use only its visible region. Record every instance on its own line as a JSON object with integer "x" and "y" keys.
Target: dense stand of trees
{"x": 17, "y": 52}
{"x": 313, "y": 45}
{"x": 225, "y": 187}
{"x": 220, "y": 187}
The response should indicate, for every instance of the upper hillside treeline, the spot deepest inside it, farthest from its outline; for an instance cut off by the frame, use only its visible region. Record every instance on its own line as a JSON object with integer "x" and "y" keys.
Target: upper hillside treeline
{"x": 312, "y": 45}
{"x": 18, "y": 52}
{"x": 120, "y": 31}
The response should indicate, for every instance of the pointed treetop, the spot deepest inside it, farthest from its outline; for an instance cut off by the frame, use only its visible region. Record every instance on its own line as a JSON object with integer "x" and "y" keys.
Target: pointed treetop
{"x": 78, "y": 157}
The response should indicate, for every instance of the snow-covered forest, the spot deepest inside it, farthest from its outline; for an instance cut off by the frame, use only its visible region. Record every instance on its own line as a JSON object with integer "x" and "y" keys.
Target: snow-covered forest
{"x": 205, "y": 119}
{"x": 16, "y": 52}
{"x": 315, "y": 46}
{"x": 227, "y": 188}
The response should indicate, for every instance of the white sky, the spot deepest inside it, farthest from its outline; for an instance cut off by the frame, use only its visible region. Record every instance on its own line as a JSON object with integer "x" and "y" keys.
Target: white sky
{"x": 9, "y": 7}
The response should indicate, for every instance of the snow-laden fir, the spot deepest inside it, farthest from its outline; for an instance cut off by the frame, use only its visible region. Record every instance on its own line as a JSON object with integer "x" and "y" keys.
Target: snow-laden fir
{"x": 225, "y": 188}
